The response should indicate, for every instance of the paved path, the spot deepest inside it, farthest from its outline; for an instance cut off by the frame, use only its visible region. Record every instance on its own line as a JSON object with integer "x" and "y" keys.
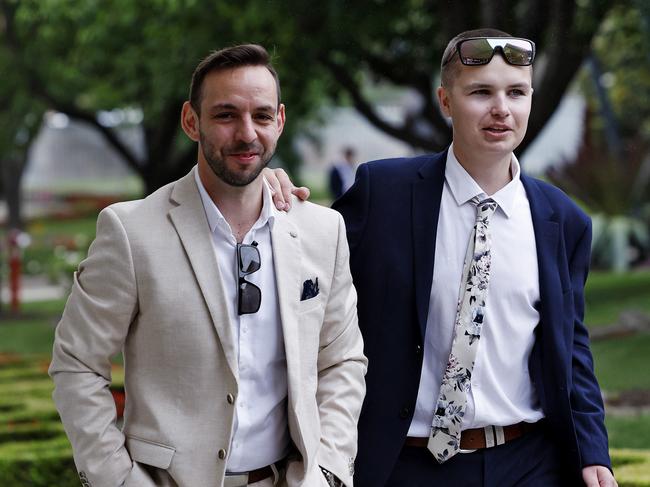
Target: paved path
{"x": 35, "y": 288}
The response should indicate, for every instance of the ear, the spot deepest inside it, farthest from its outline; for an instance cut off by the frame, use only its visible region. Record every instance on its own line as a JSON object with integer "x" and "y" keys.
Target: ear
{"x": 190, "y": 121}
{"x": 443, "y": 101}
{"x": 281, "y": 118}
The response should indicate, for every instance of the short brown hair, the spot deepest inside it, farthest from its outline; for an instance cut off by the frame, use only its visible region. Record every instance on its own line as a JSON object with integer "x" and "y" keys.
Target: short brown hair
{"x": 449, "y": 70}
{"x": 230, "y": 58}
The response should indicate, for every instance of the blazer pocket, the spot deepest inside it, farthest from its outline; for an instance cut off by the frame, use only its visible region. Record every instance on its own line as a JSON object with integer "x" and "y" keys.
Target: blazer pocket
{"x": 310, "y": 304}
{"x": 150, "y": 453}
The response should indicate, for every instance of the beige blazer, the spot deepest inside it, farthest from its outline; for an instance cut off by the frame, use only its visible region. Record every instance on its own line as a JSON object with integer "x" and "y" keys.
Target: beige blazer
{"x": 151, "y": 287}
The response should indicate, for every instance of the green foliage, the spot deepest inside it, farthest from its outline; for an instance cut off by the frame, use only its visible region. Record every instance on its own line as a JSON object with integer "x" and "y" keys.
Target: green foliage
{"x": 58, "y": 246}
{"x": 34, "y": 450}
{"x": 622, "y": 47}
{"x": 631, "y": 467}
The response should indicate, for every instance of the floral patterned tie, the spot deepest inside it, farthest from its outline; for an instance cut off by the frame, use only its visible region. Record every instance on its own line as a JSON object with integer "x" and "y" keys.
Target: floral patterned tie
{"x": 444, "y": 441}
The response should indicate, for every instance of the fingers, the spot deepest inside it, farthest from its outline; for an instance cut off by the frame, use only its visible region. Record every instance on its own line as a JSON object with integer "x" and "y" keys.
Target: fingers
{"x": 302, "y": 193}
{"x": 286, "y": 186}
{"x": 598, "y": 476}
{"x": 590, "y": 477}
{"x": 272, "y": 180}
{"x": 282, "y": 188}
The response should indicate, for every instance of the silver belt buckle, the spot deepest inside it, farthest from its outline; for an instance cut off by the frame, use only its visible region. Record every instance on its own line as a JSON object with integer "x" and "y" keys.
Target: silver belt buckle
{"x": 235, "y": 480}
{"x": 466, "y": 451}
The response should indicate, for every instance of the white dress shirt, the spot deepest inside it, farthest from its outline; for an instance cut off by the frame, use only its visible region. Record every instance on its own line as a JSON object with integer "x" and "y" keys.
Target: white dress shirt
{"x": 261, "y": 435}
{"x": 501, "y": 389}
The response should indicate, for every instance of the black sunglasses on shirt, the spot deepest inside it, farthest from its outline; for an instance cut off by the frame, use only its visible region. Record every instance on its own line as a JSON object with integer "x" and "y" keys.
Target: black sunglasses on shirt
{"x": 249, "y": 296}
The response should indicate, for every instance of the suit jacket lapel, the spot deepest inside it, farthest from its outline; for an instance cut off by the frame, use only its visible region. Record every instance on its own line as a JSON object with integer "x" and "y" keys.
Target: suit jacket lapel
{"x": 551, "y": 306}
{"x": 192, "y": 227}
{"x": 546, "y": 239}
{"x": 427, "y": 192}
{"x": 287, "y": 264}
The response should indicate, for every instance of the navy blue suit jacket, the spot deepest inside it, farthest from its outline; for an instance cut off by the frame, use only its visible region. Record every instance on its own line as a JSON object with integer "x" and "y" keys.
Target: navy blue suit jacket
{"x": 391, "y": 214}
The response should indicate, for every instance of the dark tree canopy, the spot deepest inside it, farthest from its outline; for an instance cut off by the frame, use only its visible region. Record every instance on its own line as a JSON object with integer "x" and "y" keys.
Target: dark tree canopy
{"x": 81, "y": 57}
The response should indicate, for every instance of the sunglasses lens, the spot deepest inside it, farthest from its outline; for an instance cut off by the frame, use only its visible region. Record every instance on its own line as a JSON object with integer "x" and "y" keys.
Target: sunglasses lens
{"x": 475, "y": 51}
{"x": 250, "y": 298}
{"x": 249, "y": 259}
{"x": 519, "y": 52}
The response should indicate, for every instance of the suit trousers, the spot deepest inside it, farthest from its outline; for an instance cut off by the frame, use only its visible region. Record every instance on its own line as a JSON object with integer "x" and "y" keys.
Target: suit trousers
{"x": 529, "y": 461}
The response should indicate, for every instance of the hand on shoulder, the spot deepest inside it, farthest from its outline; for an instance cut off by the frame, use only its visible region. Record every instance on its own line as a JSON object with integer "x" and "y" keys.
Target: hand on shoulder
{"x": 282, "y": 188}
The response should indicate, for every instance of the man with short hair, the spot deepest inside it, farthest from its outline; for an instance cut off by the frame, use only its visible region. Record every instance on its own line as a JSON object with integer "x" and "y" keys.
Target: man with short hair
{"x": 243, "y": 360}
{"x": 341, "y": 174}
{"x": 471, "y": 279}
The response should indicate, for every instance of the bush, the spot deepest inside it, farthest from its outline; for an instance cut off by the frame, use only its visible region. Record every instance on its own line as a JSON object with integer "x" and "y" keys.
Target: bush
{"x": 631, "y": 467}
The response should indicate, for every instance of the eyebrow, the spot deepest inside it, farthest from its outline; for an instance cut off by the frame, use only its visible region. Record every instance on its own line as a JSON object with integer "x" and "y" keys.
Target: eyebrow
{"x": 478, "y": 86}
{"x": 230, "y": 106}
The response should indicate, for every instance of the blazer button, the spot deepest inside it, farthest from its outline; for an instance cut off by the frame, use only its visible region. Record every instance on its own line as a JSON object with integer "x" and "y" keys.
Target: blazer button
{"x": 230, "y": 398}
{"x": 418, "y": 349}
{"x": 222, "y": 454}
{"x": 404, "y": 413}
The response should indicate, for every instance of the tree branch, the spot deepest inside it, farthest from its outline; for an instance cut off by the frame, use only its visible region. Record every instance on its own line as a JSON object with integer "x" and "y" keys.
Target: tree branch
{"x": 38, "y": 87}
{"x": 350, "y": 86}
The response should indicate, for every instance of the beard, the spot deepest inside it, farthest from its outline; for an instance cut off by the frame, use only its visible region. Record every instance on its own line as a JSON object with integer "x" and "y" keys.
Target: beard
{"x": 220, "y": 168}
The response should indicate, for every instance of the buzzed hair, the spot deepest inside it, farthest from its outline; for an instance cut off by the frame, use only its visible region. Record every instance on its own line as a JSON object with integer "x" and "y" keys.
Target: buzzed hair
{"x": 229, "y": 58}
{"x": 449, "y": 71}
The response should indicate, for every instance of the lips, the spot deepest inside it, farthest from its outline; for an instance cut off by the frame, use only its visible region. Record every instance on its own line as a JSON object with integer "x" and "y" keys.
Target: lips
{"x": 243, "y": 155}
{"x": 498, "y": 129}
{"x": 244, "y": 152}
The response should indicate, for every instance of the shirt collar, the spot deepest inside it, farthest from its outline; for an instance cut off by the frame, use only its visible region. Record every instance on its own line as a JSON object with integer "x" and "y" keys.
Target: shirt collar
{"x": 463, "y": 187}
{"x": 217, "y": 220}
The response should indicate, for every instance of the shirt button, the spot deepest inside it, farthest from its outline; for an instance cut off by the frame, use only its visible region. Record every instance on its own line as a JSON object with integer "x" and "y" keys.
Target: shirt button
{"x": 222, "y": 454}
{"x": 230, "y": 398}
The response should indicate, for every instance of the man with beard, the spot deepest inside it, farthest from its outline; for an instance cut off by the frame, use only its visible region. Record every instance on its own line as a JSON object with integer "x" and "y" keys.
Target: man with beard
{"x": 243, "y": 359}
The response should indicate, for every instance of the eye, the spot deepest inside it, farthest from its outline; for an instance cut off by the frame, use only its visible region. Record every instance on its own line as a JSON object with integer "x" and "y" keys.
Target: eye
{"x": 264, "y": 117}
{"x": 224, "y": 115}
{"x": 480, "y": 91}
{"x": 516, "y": 92}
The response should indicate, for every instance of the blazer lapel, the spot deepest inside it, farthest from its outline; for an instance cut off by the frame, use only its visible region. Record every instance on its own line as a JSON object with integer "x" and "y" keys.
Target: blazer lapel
{"x": 287, "y": 264}
{"x": 551, "y": 306}
{"x": 427, "y": 193}
{"x": 192, "y": 227}
{"x": 546, "y": 239}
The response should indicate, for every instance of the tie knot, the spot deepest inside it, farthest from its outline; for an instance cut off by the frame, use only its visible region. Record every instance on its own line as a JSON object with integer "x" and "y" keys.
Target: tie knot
{"x": 484, "y": 208}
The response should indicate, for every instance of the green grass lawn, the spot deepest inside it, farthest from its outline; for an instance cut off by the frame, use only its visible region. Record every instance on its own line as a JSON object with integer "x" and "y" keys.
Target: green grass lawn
{"x": 623, "y": 363}
{"x": 607, "y": 294}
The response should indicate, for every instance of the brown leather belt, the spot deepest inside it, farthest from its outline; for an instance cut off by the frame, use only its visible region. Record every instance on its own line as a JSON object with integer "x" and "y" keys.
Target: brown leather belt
{"x": 477, "y": 438}
{"x": 260, "y": 473}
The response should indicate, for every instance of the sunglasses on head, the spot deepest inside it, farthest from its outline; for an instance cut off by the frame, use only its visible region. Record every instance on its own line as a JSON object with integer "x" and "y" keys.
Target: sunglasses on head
{"x": 249, "y": 296}
{"x": 476, "y": 51}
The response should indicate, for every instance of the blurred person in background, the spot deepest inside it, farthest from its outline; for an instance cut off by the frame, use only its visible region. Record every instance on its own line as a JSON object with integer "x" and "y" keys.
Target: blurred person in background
{"x": 341, "y": 175}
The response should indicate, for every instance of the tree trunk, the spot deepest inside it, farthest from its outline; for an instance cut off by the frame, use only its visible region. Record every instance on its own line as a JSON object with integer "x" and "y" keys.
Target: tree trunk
{"x": 12, "y": 172}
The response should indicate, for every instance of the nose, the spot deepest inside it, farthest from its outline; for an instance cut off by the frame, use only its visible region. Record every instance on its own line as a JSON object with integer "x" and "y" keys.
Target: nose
{"x": 246, "y": 130}
{"x": 500, "y": 106}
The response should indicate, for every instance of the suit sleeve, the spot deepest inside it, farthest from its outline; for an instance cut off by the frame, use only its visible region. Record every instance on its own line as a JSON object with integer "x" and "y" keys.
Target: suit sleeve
{"x": 341, "y": 370}
{"x": 96, "y": 320}
{"x": 586, "y": 400}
